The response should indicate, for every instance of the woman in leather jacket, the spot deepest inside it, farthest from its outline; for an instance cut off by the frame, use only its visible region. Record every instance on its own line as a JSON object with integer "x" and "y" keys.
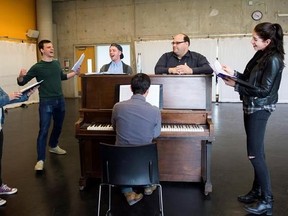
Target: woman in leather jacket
{"x": 264, "y": 73}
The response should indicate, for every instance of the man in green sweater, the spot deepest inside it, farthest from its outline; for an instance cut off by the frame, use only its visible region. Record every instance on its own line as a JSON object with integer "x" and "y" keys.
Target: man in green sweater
{"x": 51, "y": 103}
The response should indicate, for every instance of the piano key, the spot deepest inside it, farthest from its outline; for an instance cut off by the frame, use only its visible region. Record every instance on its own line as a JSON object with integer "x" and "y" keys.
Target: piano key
{"x": 164, "y": 128}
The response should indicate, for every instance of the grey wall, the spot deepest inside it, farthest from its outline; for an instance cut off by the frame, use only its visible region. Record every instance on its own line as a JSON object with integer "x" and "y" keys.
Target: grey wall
{"x": 129, "y": 21}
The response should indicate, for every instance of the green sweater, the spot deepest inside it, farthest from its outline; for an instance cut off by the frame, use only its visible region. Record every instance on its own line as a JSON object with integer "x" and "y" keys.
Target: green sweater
{"x": 52, "y": 75}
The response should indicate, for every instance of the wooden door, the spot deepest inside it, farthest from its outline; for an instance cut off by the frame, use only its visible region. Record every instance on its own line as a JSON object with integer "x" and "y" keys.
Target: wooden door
{"x": 89, "y": 52}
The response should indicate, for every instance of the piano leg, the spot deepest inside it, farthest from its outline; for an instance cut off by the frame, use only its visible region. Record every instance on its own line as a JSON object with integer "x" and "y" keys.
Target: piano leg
{"x": 83, "y": 178}
{"x": 206, "y": 166}
{"x": 90, "y": 158}
{"x": 82, "y": 183}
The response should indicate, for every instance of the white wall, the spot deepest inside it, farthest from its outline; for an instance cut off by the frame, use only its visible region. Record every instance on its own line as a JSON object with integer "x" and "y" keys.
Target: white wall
{"x": 13, "y": 57}
{"x": 233, "y": 51}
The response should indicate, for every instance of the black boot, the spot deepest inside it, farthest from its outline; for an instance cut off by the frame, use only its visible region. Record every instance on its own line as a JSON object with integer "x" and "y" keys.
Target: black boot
{"x": 251, "y": 196}
{"x": 264, "y": 206}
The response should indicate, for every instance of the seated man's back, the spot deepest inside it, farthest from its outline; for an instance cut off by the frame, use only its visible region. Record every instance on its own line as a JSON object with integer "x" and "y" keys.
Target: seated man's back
{"x": 135, "y": 120}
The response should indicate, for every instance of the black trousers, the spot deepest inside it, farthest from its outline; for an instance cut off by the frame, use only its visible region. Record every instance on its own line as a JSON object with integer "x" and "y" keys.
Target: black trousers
{"x": 255, "y": 127}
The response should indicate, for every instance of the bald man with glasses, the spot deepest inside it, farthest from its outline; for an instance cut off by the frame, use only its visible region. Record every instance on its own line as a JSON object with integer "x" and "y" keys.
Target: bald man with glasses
{"x": 181, "y": 60}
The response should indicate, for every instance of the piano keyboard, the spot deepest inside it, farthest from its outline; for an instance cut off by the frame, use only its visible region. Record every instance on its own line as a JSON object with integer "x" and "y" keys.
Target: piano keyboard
{"x": 182, "y": 128}
{"x": 164, "y": 128}
{"x": 100, "y": 127}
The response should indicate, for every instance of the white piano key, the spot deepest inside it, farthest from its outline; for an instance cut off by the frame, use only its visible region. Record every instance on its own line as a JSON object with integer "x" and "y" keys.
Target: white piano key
{"x": 165, "y": 128}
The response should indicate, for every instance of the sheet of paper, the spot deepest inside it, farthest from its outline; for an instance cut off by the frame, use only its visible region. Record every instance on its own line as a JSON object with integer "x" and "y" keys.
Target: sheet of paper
{"x": 112, "y": 73}
{"x": 31, "y": 86}
{"x": 217, "y": 67}
{"x": 77, "y": 65}
{"x": 92, "y": 73}
{"x": 219, "y": 71}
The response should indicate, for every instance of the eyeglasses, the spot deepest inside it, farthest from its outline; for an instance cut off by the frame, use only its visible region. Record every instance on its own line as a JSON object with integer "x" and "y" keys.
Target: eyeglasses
{"x": 177, "y": 42}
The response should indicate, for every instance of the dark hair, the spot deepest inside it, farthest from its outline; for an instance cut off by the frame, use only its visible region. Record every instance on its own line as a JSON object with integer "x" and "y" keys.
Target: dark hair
{"x": 41, "y": 44}
{"x": 119, "y": 47}
{"x": 274, "y": 32}
{"x": 186, "y": 38}
{"x": 140, "y": 83}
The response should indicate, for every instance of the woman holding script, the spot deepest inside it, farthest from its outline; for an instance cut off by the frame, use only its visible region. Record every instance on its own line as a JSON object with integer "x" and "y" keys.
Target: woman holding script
{"x": 9, "y": 98}
{"x": 264, "y": 72}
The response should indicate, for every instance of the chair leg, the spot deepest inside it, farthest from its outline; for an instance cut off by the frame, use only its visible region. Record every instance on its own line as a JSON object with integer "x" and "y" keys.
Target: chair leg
{"x": 99, "y": 199}
{"x": 109, "y": 199}
{"x": 110, "y": 188}
{"x": 160, "y": 200}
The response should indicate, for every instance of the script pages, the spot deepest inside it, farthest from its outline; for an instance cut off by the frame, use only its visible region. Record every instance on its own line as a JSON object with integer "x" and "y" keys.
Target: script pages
{"x": 217, "y": 67}
{"x": 220, "y": 72}
{"x": 28, "y": 88}
{"x": 77, "y": 65}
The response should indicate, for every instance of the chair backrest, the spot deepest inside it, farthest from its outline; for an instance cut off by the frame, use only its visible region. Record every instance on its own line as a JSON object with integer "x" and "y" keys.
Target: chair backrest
{"x": 131, "y": 165}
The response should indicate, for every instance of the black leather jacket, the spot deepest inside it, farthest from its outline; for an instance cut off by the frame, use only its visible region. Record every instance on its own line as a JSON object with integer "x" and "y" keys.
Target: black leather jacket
{"x": 266, "y": 81}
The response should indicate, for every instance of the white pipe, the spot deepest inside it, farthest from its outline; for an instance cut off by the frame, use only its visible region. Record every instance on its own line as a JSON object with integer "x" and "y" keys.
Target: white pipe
{"x": 282, "y": 15}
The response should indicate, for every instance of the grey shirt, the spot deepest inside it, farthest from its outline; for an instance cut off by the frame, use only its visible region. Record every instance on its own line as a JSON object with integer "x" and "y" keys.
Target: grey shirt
{"x": 126, "y": 68}
{"x": 136, "y": 121}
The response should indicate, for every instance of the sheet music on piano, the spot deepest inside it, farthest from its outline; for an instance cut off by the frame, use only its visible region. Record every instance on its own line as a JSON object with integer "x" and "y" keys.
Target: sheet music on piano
{"x": 154, "y": 97}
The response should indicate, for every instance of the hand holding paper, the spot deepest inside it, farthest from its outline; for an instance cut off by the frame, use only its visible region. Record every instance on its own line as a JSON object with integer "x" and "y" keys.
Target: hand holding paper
{"x": 220, "y": 72}
{"x": 31, "y": 87}
{"x": 228, "y": 78}
{"x": 77, "y": 65}
{"x": 31, "y": 91}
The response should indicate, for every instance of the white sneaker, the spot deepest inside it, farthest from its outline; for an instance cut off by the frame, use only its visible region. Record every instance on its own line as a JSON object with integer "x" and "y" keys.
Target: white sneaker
{"x": 149, "y": 190}
{"x": 2, "y": 202}
{"x": 57, "y": 150}
{"x": 39, "y": 165}
{"x": 5, "y": 189}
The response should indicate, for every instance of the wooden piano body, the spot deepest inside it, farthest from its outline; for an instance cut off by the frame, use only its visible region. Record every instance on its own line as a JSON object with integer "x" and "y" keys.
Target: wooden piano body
{"x": 183, "y": 156}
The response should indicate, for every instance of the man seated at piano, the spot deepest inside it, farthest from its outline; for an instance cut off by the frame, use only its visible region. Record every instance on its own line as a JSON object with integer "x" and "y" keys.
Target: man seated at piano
{"x": 136, "y": 122}
{"x": 116, "y": 66}
{"x": 181, "y": 60}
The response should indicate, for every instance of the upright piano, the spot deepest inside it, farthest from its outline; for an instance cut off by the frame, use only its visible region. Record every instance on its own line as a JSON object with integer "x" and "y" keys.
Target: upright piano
{"x": 184, "y": 154}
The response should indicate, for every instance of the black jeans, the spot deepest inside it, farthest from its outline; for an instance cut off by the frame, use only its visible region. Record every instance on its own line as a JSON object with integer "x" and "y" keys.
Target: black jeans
{"x": 255, "y": 127}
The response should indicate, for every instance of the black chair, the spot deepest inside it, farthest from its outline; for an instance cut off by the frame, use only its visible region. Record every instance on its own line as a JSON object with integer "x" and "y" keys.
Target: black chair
{"x": 133, "y": 165}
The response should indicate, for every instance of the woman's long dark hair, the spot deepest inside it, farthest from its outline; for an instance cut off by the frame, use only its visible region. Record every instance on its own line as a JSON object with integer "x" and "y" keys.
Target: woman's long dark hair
{"x": 274, "y": 32}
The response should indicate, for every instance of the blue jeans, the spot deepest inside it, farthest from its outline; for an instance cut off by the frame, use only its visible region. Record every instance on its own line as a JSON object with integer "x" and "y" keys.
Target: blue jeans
{"x": 49, "y": 108}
